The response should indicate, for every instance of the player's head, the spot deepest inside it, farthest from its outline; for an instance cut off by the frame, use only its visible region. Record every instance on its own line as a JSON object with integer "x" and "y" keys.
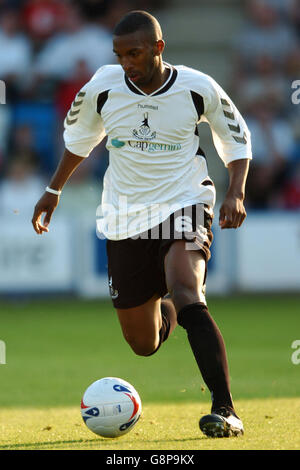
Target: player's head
{"x": 138, "y": 45}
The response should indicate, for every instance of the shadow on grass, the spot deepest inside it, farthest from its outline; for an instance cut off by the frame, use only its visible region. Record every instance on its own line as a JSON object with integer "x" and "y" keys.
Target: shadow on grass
{"x": 101, "y": 442}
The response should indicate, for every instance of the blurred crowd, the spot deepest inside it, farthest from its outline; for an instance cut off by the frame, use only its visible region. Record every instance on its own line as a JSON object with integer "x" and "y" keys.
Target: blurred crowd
{"x": 50, "y": 48}
{"x": 267, "y": 67}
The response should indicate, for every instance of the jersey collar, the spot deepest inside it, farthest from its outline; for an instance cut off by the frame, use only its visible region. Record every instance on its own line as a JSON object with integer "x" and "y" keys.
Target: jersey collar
{"x": 165, "y": 87}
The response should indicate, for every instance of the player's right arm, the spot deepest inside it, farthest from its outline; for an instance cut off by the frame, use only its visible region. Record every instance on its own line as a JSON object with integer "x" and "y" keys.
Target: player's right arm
{"x": 83, "y": 131}
{"x": 48, "y": 202}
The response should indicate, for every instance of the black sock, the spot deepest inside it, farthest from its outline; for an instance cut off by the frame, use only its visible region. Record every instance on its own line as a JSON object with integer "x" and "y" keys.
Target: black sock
{"x": 209, "y": 350}
{"x": 169, "y": 318}
{"x": 168, "y": 313}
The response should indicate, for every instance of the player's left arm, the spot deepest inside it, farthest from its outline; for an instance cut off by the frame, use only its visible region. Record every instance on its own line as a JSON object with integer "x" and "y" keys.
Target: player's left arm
{"x": 232, "y": 211}
{"x": 232, "y": 141}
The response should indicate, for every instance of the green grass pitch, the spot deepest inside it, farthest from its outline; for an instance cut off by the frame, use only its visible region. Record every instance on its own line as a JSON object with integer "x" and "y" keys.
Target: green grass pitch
{"x": 56, "y": 348}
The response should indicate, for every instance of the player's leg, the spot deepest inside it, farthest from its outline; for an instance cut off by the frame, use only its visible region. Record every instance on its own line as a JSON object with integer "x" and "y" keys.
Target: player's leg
{"x": 136, "y": 286}
{"x": 185, "y": 273}
{"x": 146, "y": 326}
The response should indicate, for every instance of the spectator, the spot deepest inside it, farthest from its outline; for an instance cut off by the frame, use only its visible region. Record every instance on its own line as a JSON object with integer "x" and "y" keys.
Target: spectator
{"x": 67, "y": 89}
{"x": 15, "y": 54}
{"x": 5, "y": 126}
{"x": 283, "y": 8}
{"x": 13, "y": 4}
{"x": 273, "y": 143}
{"x": 79, "y": 41}
{"x": 93, "y": 10}
{"x": 108, "y": 11}
{"x": 268, "y": 62}
{"x": 292, "y": 76}
{"x": 290, "y": 197}
{"x": 43, "y": 18}
{"x": 294, "y": 15}
{"x": 21, "y": 187}
{"x": 265, "y": 34}
{"x": 117, "y": 9}
{"x": 267, "y": 81}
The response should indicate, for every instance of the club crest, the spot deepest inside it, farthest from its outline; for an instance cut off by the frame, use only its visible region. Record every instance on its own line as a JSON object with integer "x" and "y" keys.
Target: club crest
{"x": 144, "y": 132}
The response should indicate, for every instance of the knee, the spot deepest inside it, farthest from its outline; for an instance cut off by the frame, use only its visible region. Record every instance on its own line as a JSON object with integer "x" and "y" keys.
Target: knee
{"x": 142, "y": 346}
{"x": 183, "y": 293}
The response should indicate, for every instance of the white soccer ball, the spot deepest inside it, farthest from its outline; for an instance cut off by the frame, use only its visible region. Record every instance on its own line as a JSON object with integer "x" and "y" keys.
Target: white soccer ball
{"x": 110, "y": 407}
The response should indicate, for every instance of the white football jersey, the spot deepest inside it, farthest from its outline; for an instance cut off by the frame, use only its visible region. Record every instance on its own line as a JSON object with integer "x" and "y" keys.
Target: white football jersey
{"x": 155, "y": 163}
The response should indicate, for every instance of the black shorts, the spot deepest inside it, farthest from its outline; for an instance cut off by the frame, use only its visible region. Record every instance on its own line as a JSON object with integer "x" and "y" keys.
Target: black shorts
{"x": 136, "y": 265}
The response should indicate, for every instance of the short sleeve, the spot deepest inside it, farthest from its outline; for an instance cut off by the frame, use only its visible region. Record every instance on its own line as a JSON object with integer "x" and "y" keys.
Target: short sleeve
{"x": 84, "y": 128}
{"x": 230, "y": 133}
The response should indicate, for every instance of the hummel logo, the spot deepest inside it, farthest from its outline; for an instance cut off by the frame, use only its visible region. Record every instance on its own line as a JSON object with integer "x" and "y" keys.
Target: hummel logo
{"x": 147, "y": 106}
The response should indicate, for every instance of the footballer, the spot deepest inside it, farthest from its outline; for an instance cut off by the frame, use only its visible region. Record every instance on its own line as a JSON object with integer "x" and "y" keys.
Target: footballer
{"x": 158, "y": 197}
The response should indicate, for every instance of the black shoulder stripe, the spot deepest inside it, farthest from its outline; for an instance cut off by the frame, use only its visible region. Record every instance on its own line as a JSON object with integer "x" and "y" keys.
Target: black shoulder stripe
{"x": 101, "y": 100}
{"x": 207, "y": 182}
{"x": 198, "y": 103}
{"x": 199, "y": 151}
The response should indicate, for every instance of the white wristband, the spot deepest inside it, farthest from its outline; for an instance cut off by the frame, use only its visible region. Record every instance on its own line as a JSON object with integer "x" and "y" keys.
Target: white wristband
{"x": 53, "y": 191}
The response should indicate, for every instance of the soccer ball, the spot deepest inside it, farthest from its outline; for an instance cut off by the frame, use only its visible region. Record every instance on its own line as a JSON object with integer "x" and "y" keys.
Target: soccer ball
{"x": 110, "y": 407}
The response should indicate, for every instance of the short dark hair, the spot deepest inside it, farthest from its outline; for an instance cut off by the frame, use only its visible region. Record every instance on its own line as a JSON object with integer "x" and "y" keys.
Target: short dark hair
{"x": 138, "y": 20}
